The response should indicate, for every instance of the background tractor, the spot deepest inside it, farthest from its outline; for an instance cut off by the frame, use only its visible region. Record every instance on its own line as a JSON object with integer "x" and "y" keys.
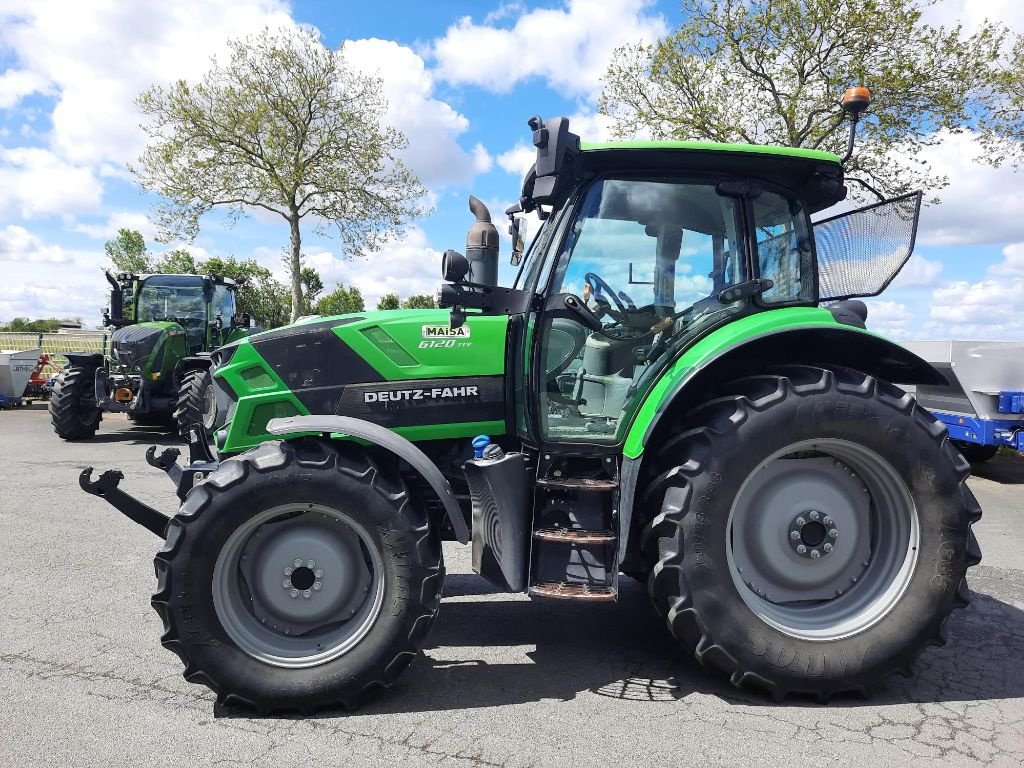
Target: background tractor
{"x": 678, "y": 386}
{"x": 158, "y": 367}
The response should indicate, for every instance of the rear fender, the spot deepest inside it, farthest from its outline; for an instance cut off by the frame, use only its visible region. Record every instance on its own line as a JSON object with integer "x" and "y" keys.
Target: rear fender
{"x": 193, "y": 363}
{"x": 699, "y": 373}
{"x": 389, "y": 441}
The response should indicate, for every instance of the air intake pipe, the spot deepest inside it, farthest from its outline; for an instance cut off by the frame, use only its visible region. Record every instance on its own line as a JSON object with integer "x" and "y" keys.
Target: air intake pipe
{"x": 482, "y": 246}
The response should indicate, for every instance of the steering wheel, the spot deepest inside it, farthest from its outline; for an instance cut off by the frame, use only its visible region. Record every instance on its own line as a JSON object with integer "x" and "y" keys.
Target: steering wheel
{"x": 599, "y": 284}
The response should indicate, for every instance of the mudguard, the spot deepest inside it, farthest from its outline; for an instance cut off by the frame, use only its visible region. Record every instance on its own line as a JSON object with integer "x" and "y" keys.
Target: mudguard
{"x": 389, "y": 441}
{"x": 85, "y": 359}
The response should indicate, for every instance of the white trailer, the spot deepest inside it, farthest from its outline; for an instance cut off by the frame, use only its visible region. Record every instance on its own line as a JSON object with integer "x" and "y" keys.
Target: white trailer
{"x": 983, "y": 405}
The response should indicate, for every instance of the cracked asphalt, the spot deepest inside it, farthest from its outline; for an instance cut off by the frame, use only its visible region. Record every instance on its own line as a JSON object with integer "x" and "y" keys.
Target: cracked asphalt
{"x": 504, "y": 681}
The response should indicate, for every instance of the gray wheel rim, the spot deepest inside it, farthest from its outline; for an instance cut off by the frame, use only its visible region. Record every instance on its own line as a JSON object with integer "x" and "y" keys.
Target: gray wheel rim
{"x": 209, "y": 407}
{"x": 776, "y": 548}
{"x": 298, "y": 585}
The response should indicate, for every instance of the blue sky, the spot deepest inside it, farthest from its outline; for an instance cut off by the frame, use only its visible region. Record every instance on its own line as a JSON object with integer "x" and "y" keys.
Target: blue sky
{"x": 461, "y": 79}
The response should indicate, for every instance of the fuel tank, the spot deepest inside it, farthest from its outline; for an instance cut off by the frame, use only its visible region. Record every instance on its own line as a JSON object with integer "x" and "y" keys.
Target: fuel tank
{"x": 407, "y": 370}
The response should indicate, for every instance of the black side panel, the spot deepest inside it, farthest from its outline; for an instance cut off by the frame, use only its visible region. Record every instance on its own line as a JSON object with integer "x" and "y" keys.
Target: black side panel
{"x": 426, "y": 401}
{"x": 314, "y": 363}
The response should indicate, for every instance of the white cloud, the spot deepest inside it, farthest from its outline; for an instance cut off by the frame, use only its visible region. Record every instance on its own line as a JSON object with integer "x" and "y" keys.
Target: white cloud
{"x": 985, "y": 309}
{"x": 17, "y": 83}
{"x": 430, "y": 125}
{"x": 406, "y": 267}
{"x": 890, "y": 318}
{"x": 981, "y": 204}
{"x": 98, "y": 56}
{"x": 118, "y": 220}
{"x": 568, "y": 47}
{"x": 19, "y": 245}
{"x": 35, "y": 182}
{"x": 518, "y": 160}
{"x": 918, "y": 273}
{"x": 1013, "y": 264}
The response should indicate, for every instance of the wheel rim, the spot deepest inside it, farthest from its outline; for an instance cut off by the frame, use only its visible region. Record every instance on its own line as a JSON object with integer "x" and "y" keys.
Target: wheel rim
{"x": 823, "y": 539}
{"x": 298, "y": 585}
{"x": 209, "y": 407}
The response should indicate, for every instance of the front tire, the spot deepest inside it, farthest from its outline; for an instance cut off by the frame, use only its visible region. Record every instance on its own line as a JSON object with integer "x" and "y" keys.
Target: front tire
{"x": 262, "y": 631}
{"x": 197, "y": 403}
{"x": 750, "y": 479}
{"x": 74, "y": 417}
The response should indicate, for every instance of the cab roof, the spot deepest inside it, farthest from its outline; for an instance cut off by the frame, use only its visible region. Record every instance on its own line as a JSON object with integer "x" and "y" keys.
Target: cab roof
{"x": 814, "y": 175}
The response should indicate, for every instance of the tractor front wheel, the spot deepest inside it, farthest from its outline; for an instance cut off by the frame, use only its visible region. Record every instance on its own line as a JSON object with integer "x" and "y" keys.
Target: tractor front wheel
{"x": 814, "y": 532}
{"x": 197, "y": 401}
{"x": 298, "y": 576}
{"x": 73, "y": 415}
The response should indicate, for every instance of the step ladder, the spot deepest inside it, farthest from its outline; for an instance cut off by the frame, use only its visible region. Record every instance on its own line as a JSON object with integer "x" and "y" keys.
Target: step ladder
{"x": 574, "y": 548}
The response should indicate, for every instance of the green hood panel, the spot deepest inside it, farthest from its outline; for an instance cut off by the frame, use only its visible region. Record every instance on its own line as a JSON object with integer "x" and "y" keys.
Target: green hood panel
{"x": 712, "y": 346}
{"x": 403, "y": 369}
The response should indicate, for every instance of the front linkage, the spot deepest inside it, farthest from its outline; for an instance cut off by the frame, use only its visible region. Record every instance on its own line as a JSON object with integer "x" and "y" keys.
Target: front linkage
{"x": 201, "y": 464}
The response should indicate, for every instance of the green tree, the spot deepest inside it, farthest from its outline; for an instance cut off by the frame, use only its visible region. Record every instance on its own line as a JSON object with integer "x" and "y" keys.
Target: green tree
{"x": 419, "y": 301}
{"x": 24, "y": 325}
{"x": 341, "y": 301}
{"x": 127, "y": 252}
{"x": 176, "y": 262}
{"x": 312, "y": 287}
{"x": 389, "y": 301}
{"x": 772, "y": 72}
{"x": 267, "y": 300}
{"x": 286, "y": 125}
{"x": 1002, "y": 121}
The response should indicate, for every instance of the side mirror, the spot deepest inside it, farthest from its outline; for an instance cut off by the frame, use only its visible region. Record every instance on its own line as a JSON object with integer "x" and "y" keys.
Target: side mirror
{"x": 246, "y": 320}
{"x": 517, "y": 228}
{"x": 218, "y": 321}
{"x": 454, "y": 266}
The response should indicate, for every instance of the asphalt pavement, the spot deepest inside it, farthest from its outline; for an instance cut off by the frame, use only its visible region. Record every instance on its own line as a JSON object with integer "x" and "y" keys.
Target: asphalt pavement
{"x": 505, "y": 681}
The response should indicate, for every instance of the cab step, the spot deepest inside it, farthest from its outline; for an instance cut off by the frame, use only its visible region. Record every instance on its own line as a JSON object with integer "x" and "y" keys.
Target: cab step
{"x": 561, "y": 590}
{"x": 574, "y": 536}
{"x": 578, "y": 483}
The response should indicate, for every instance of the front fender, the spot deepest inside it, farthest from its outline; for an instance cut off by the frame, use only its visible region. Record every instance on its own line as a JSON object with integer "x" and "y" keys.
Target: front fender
{"x": 389, "y": 441}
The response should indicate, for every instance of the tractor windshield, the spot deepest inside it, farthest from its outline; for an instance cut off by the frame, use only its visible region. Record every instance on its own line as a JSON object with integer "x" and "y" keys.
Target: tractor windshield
{"x": 173, "y": 299}
{"x": 649, "y": 257}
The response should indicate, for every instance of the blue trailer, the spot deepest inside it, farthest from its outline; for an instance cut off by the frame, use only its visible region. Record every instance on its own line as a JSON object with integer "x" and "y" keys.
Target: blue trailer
{"x": 983, "y": 405}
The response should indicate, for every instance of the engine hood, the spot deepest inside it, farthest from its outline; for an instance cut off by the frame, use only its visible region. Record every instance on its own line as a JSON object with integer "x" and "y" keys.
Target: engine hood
{"x": 132, "y": 345}
{"x": 407, "y": 370}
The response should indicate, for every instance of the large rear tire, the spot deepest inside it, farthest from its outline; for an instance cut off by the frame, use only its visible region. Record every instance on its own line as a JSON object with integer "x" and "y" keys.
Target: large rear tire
{"x": 197, "y": 403}
{"x": 298, "y": 576}
{"x": 814, "y": 532}
{"x": 74, "y": 417}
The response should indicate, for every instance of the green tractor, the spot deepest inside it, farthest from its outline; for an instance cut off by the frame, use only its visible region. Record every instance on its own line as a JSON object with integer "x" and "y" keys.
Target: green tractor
{"x": 678, "y": 387}
{"x": 158, "y": 369}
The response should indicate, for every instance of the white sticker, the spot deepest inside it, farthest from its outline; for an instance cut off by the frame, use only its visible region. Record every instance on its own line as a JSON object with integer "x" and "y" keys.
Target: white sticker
{"x": 445, "y": 332}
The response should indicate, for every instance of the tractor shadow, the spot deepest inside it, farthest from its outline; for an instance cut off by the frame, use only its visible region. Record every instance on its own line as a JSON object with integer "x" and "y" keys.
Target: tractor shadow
{"x": 1003, "y": 469}
{"x": 162, "y": 436}
{"x": 623, "y": 652}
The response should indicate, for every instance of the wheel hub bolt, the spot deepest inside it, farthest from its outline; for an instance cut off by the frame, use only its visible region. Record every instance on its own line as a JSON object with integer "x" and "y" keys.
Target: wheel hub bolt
{"x": 813, "y": 534}
{"x": 294, "y": 593}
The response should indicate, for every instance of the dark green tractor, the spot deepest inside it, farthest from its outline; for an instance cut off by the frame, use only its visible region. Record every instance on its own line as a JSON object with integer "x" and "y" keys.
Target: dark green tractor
{"x": 679, "y": 386}
{"x": 158, "y": 368}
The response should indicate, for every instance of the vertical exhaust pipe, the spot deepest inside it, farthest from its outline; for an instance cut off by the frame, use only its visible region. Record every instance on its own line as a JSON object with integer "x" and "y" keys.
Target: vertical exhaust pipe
{"x": 482, "y": 246}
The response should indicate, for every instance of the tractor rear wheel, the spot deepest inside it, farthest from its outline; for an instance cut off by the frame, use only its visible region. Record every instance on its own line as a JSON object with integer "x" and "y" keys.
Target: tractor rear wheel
{"x": 298, "y": 576}
{"x": 197, "y": 402}
{"x": 814, "y": 531}
{"x": 74, "y": 417}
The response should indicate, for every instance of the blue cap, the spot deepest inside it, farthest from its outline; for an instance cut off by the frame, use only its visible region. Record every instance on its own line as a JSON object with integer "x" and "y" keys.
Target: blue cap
{"x": 479, "y": 443}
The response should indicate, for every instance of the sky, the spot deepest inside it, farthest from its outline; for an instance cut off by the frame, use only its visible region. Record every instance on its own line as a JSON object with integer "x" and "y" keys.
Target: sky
{"x": 461, "y": 79}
